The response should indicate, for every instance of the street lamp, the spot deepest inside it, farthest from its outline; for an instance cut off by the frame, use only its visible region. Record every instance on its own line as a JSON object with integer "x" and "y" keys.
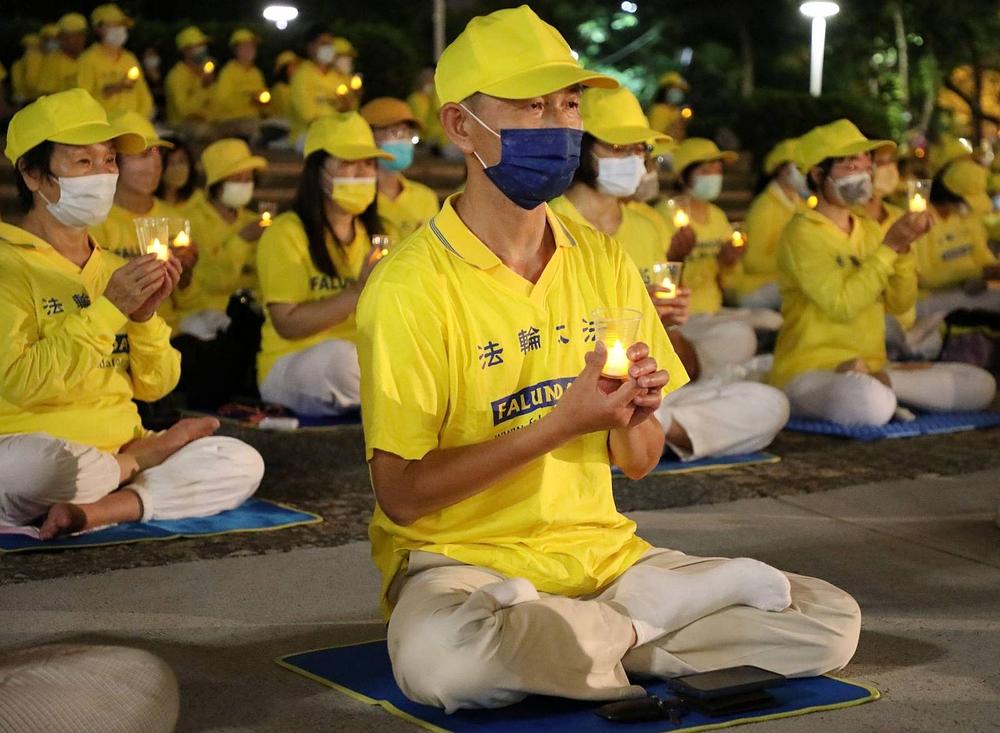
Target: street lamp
{"x": 281, "y": 15}
{"x": 818, "y": 12}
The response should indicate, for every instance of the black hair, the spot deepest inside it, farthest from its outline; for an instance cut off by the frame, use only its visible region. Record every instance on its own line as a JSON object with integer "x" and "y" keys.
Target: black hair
{"x": 38, "y": 159}
{"x": 315, "y": 31}
{"x": 185, "y": 191}
{"x": 586, "y": 173}
{"x": 825, "y": 165}
{"x": 308, "y": 205}
{"x": 941, "y": 195}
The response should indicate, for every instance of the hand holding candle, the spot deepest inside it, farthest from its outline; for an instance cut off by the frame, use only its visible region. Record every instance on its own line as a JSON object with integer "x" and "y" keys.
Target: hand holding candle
{"x": 617, "y": 329}
{"x": 153, "y": 233}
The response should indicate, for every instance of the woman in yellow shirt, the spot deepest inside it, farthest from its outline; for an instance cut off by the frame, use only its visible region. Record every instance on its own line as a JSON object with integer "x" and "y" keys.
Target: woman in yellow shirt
{"x": 240, "y": 84}
{"x": 313, "y": 262}
{"x": 189, "y": 84}
{"x": 318, "y": 88}
{"x": 839, "y": 276}
{"x": 179, "y": 181}
{"x": 109, "y": 71}
{"x": 82, "y": 341}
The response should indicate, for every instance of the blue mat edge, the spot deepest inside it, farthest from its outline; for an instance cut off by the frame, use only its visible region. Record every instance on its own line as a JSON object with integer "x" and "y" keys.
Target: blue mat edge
{"x": 282, "y": 661}
{"x": 982, "y": 420}
{"x": 677, "y": 466}
{"x": 313, "y": 518}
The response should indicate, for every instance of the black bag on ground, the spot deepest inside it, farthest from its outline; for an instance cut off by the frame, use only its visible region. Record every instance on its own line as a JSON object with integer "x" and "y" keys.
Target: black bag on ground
{"x": 972, "y": 336}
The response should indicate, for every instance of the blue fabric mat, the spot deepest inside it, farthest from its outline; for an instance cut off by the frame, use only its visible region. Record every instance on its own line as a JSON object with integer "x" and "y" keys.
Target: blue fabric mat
{"x": 935, "y": 423}
{"x": 363, "y": 672}
{"x": 672, "y": 464}
{"x": 254, "y": 515}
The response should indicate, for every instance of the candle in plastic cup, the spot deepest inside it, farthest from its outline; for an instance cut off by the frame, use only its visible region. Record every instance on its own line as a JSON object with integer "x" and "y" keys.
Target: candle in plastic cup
{"x": 178, "y": 231}
{"x": 342, "y": 89}
{"x": 381, "y": 244}
{"x": 617, "y": 329}
{"x": 153, "y": 235}
{"x": 264, "y": 97}
{"x": 356, "y": 82}
{"x": 183, "y": 239}
{"x": 738, "y": 239}
{"x": 618, "y": 363}
{"x": 681, "y": 219}
{"x": 159, "y": 249}
{"x": 920, "y": 193}
{"x": 267, "y": 210}
{"x": 265, "y": 220}
{"x": 134, "y": 73}
{"x": 209, "y": 67}
{"x": 668, "y": 276}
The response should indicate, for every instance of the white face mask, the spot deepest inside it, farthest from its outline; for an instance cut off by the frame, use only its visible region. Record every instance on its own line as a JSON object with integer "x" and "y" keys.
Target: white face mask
{"x": 707, "y": 187}
{"x": 796, "y": 180}
{"x": 236, "y": 195}
{"x": 325, "y": 54}
{"x": 620, "y": 176}
{"x": 116, "y": 36}
{"x": 853, "y": 189}
{"x": 84, "y": 201}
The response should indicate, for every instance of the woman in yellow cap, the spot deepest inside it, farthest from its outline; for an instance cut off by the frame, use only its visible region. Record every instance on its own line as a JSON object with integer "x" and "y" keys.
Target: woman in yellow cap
{"x": 313, "y": 262}
{"x": 109, "y": 71}
{"x": 179, "y": 182}
{"x": 756, "y": 285}
{"x": 403, "y": 205}
{"x": 240, "y": 90}
{"x": 189, "y": 85}
{"x": 285, "y": 66}
{"x": 839, "y": 277}
{"x": 669, "y": 114}
{"x": 82, "y": 341}
{"x": 318, "y": 89}
{"x": 713, "y": 417}
{"x": 59, "y": 69}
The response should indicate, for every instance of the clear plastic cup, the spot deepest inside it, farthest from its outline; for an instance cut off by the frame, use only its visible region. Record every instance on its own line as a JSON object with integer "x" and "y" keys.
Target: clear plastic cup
{"x": 617, "y": 329}
{"x": 153, "y": 233}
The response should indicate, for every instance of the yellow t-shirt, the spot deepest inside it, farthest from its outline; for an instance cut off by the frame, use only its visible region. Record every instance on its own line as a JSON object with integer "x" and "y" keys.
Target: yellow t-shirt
{"x": 281, "y": 97}
{"x": 314, "y": 95}
{"x": 186, "y": 96}
{"x": 72, "y": 362}
{"x": 288, "y": 275}
{"x": 410, "y": 210}
{"x": 702, "y": 273}
{"x": 235, "y": 91}
{"x": 226, "y": 261}
{"x": 767, "y": 217}
{"x": 57, "y": 73}
{"x": 97, "y": 70}
{"x": 835, "y": 291}
{"x": 455, "y": 350}
{"x": 953, "y": 251}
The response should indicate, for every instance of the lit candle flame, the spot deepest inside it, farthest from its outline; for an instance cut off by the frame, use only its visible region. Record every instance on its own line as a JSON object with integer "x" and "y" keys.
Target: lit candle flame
{"x": 356, "y": 82}
{"x": 812, "y": 202}
{"x": 918, "y": 204}
{"x": 134, "y": 73}
{"x": 670, "y": 287}
{"x": 618, "y": 363}
{"x": 209, "y": 67}
{"x": 159, "y": 249}
{"x": 681, "y": 219}
{"x": 182, "y": 239}
{"x": 341, "y": 89}
{"x": 265, "y": 220}
{"x": 687, "y": 113}
{"x": 738, "y": 239}
{"x": 264, "y": 97}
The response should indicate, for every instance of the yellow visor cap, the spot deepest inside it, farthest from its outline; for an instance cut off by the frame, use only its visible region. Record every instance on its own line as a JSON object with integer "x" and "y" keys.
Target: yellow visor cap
{"x": 49, "y": 30}
{"x": 30, "y": 40}
{"x": 700, "y": 150}
{"x": 787, "y": 151}
{"x": 385, "y": 111}
{"x": 72, "y": 23}
{"x": 510, "y": 54}
{"x": 126, "y": 122}
{"x": 614, "y": 116}
{"x": 343, "y": 47}
{"x": 673, "y": 79}
{"x": 191, "y": 36}
{"x": 72, "y": 117}
{"x": 109, "y": 14}
{"x": 284, "y": 59}
{"x": 346, "y": 136}
{"x": 950, "y": 150}
{"x": 226, "y": 157}
{"x": 968, "y": 179}
{"x": 840, "y": 139}
{"x": 243, "y": 35}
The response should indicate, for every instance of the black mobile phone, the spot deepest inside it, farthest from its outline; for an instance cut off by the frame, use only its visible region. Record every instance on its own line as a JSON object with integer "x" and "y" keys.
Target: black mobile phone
{"x": 724, "y": 682}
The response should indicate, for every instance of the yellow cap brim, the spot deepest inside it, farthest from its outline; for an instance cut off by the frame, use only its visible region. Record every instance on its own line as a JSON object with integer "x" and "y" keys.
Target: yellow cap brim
{"x": 850, "y": 150}
{"x": 546, "y": 79}
{"x": 254, "y": 162}
{"x": 129, "y": 143}
{"x": 351, "y": 152}
{"x": 629, "y": 135}
{"x": 159, "y": 143}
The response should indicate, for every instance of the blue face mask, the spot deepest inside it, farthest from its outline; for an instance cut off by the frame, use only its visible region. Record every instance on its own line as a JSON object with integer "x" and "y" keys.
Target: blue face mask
{"x": 536, "y": 165}
{"x": 401, "y": 150}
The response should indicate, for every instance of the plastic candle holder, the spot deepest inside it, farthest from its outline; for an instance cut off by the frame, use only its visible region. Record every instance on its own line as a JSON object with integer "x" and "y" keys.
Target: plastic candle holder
{"x": 153, "y": 233}
{"x": 264, "y": 97}
{"x": 133, "y": 74}
{"x": 381, "y": 243}
{"x": 617, "y": 329}
{"x": 739, "y": 239}
{"x": 667, "y": 275}
{"x": 919, "y": 193}
{"x": 179, "y": 231}
{"x": 267, "y": 211}
{"x": 677, "y": 214}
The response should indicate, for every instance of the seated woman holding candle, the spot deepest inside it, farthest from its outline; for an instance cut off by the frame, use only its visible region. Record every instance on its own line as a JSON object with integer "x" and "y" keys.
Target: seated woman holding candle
{"x": 178, "y": 182}
{"x": 839, "y": 276}
{"x": 313, "y": 262}
{"x": 82, "y": 340}
{"x": 710, "y": 417}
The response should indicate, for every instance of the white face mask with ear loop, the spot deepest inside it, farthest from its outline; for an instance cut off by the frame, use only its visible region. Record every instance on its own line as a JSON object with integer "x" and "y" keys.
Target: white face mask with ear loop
{"x": 236, "y": 194}
{"x": 620, "y": 176}
{"x": 84, "y": 201}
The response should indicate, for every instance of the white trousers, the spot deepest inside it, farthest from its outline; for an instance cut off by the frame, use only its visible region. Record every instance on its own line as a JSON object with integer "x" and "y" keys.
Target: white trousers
{"x": 322, "y": 380}
{"x": 766, "y": 296}
{"x": 860, "y": 399}
{"x": 455, "y": 644}
{"x": 724, "y": 419}
{"x": 946, "y": 301}
{"x": 720, "y": 340}
{"x": 205, "y": 477}
{"x": 204, "y": 324}
{"x": 69, "y": 688}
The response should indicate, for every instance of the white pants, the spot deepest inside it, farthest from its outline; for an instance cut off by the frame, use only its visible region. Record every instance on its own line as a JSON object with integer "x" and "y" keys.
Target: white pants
{"x": 720, "y": 340}
{"x": 724, "y": 419}
{"x": 69, "y": 688}
{"x": 322, "y": 380}
{"x": 204, "y": 324}
{"x": 860, "y": 399}
{"x": 766, "y": 296}
{"x": 454, "y": 644}
{"x": 205, "y": 477}
{"x": 946, "y": 301}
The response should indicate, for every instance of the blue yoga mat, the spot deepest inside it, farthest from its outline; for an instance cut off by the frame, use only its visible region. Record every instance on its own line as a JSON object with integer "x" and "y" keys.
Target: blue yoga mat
{"x": 672, "y": 464}
{"x": 935, "y": 423}
{"x": 254, "y": 515}
{"x": 363, "y": 672}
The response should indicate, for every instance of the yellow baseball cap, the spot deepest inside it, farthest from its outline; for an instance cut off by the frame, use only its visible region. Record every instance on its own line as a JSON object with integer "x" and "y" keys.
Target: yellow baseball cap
{"x": 109, "y": 14}
{"x": 343, "y": 47}
{"x": 72, "y": 23}
{"x": 127, "y": 122}
{"x": 49, "y": 30}
{"x": 700, "y": 150}
{"x": 673, "y": 79}
{"x": 385, "y": 111}
{"x": 840, "y": 139}
{"x": 346, "y": 136}
{"x": 968, "y": 179}
{"x": 72, "y": 117}
{"x": 227, "y": 157}
{"x": 191, "y": 36}
{"x": 243, "y": 35}
{"x": 948, "y": 151}
{"x": 784, "y": 152}
{"x": 31, "y": 39}
{"x": 511, "y": 54}
{"x": 615, "y": 116}
{"x": 284, "y": 59}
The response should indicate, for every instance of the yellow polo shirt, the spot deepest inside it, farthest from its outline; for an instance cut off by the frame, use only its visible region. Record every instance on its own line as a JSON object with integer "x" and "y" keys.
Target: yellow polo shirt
{"x": 702, "y": 272}
{"x": 953, "y": 251}
{"x": 314, "y": 95}
{"x": 410, "y": 210}
{"x": 57, "y": 73}
{"x": 288, "y": 275}
{"x": 97, "y": 70}
{"x": 456, "y": 349}
{"x": 836, "y": 289}
{"x": 186, "y": 96}
{"x": 235, "y": 91}
{"x": 72, "y": 362}
{"x": 767, "y": 217}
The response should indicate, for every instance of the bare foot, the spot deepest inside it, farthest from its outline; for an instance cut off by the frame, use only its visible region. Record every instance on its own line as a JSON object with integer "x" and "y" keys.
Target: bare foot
{"x": 155, "y": 449}
{"x": 62, "y": 519}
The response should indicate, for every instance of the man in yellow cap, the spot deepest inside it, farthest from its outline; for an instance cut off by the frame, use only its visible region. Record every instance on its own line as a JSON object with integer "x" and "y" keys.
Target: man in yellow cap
{"x": 189, "y": 84}
{"x": 404, "y": 204}
{"x": 109, "y": 71}
{"x": 490, "y": 430}
{"x": 241, "y": 94}
{"x": 21, "y": 72}
{"x": 669, "y": 114}
{"x": 318, "y": 88}
{"x": 59, "y": 70}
